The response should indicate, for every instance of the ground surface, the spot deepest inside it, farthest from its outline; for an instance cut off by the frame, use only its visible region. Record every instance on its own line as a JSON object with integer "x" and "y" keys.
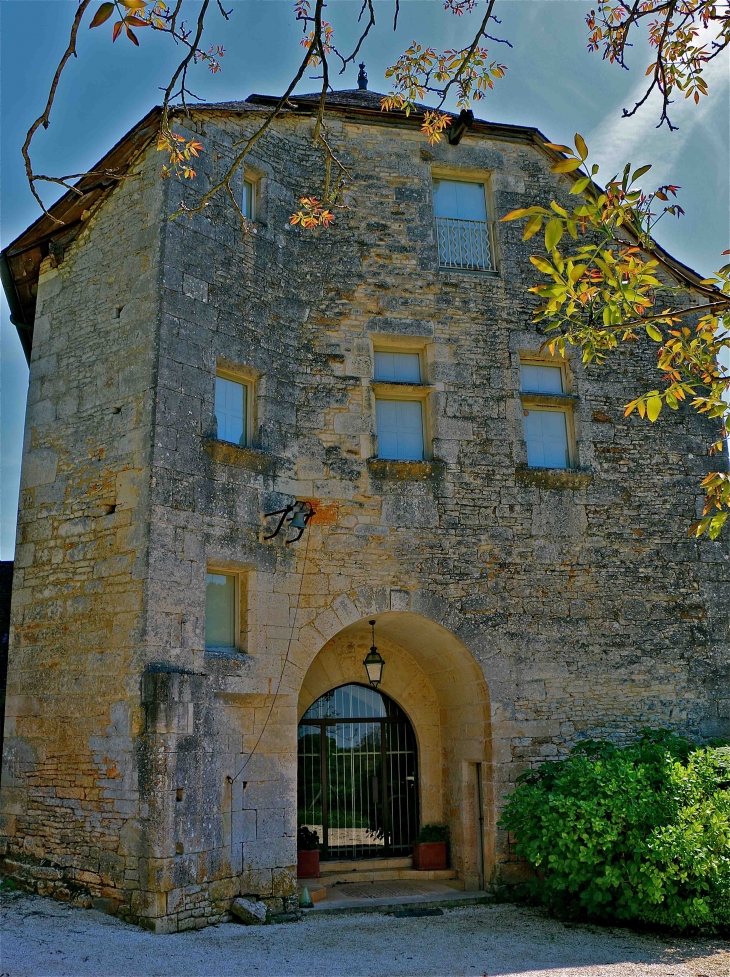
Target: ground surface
{"x": 42, "y": 938}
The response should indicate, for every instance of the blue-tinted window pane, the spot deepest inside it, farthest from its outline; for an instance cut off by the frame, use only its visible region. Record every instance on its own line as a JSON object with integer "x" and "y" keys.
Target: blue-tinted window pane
{"x": 546, "y": 435}
{"x": 400, "y": 429}
{"x": 403, "y": 367}
{"x": 220, "y": 610}
{"x": 463, "y": 201}
{"x": 542, "y": 379}
{"x": 248, "y": 199}
{"x": 230, "y": 410}
{"x": 352, "y": 702}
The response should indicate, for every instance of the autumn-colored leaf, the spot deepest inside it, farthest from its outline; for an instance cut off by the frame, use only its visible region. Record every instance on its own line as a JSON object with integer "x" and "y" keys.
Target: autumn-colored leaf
{"x": 132, "y": 36}
{"x": 560, "y": 148}
{"x": 102, "y": 15}
{"x": 134, "y": 4}
{"x": 566, "y": 166}
{"x": 117, "y": 30}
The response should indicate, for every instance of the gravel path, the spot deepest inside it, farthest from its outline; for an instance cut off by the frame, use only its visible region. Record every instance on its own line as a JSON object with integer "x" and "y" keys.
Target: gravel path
{"x": 42, "y": 938}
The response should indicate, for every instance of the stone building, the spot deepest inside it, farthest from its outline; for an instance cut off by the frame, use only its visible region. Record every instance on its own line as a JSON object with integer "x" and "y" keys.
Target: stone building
{"x": 180, "y": 686}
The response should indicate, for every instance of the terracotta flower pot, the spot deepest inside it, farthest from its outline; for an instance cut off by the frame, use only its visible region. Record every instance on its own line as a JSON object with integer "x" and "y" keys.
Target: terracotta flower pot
{"x": 429, "y": 855}
{"x": 308, "y": 864}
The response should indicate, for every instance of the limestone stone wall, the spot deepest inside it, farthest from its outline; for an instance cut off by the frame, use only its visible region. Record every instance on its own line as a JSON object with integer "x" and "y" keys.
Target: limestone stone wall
{"x": 535, "y": 610}
{"x": 586, "y": 607}
{"x": 70, "y": 776}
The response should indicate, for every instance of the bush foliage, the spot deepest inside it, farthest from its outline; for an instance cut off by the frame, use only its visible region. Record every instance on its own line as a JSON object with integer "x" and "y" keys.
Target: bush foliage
{"x": 636, "y": 833}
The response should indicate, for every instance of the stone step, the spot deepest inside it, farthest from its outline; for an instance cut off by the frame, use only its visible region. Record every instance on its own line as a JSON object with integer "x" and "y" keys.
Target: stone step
{"x": 335, "y": 866}
{"x": 388, "y": 875}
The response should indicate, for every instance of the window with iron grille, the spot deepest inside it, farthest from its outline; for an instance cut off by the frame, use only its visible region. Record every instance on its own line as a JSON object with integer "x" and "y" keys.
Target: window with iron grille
{"x": 462, "y": 225}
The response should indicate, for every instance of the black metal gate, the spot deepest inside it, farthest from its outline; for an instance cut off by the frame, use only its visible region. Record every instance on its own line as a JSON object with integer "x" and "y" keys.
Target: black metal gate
{"x": 357, "y": 768}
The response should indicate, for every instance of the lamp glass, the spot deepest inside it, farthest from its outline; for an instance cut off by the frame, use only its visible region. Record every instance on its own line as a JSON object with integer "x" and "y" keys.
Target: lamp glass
{"x": 374, "y": 667}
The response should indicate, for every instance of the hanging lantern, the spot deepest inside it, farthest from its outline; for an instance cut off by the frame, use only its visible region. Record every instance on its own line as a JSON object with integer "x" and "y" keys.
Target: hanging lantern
{"x": 374, "y": 662}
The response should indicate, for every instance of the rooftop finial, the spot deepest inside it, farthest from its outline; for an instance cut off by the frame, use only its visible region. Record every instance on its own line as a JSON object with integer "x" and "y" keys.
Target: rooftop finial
{"x": 362, "y": 78}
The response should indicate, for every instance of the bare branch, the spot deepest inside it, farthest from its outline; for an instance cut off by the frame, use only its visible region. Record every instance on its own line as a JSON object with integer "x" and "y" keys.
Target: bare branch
{"x": 225, "y": 181}
{"x": 45, "y": 118}
{"x": 371, "y": 23}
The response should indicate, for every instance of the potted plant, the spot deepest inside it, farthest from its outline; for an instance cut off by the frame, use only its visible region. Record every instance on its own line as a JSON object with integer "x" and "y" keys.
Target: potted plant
{"x": 430, "y": 847}
{"x": 307, "y": 853}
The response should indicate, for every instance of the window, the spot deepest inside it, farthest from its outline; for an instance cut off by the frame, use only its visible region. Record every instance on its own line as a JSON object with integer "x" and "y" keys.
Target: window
{"x": 231, "y": 409}
{"x": 221, "y": 611}
{"x": 400, "y": 429}
{"x": 249, "y": 199}
{"x": 548, "y": 416}
{"x": 398, "y": 367}
{"x": 461, "y": 225}
{"x": 399, "y": 422}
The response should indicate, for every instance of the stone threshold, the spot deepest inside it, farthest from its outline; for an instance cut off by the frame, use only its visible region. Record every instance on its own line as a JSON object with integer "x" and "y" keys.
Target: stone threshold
{"x": 450, "y": 899}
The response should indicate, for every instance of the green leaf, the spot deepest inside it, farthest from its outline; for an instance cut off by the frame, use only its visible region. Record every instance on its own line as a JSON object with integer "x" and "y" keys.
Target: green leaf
{"x": 566, "y": 166}
{"x": 716, "y": 524}
{"x": 640, "y": 172}
{"x": 580, "y": 185}
{"x": 653, "y": 406}
{"x": 532, "y": 227}
{"x": 654, "y": 333}
{"x": 553, "y": 233}
{"x": 542, "y": 265}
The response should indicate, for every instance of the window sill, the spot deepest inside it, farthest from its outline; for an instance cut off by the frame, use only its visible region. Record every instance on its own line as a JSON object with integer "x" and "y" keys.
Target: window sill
{"x": 554, "y": 478}
{"x": 477, "y": 272}
{"x": 406, "y": 471}
{"x": 227, "y": 453}
{"x": 398, "y": 388}
{"x": 531, "y": 399}
{"x": 227, "y": 654}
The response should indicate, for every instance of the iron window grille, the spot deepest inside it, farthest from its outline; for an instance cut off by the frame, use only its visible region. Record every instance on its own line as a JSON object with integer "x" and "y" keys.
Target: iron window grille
{"x": 465, "y": 244}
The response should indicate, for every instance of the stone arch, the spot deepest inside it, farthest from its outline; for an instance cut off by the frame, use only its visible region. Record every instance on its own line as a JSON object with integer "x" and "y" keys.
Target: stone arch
{"x": 434, "y": 677}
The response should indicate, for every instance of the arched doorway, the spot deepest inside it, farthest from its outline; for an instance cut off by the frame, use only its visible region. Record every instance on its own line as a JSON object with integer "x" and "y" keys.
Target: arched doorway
{"x": 358, "y": 774}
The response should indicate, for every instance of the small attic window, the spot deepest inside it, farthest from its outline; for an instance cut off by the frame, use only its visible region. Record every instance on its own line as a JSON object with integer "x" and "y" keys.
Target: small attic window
{"x": 249, "y": 198}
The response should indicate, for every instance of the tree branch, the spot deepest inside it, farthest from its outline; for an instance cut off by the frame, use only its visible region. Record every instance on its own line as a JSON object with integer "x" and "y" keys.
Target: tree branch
{"x": 45, "y": 118}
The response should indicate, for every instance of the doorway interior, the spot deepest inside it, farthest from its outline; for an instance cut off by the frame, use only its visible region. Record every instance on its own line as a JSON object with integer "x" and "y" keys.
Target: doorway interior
{"x": 358, "y": 774}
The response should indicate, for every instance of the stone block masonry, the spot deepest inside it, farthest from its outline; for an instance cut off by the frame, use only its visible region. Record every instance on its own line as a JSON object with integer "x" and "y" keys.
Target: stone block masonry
{"x": 518, "y": 611}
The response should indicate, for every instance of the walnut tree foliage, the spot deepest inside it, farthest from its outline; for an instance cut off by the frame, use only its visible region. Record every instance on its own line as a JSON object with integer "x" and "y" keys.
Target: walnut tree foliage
{"x": 599, "y": 259}
{"x": 634, "y": 834}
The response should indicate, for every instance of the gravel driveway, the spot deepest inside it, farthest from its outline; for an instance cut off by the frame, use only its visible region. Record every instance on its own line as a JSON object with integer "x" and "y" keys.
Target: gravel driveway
{"x": 42, "y": 938}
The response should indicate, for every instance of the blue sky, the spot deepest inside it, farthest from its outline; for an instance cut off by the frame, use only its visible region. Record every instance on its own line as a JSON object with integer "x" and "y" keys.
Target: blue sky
{"x": 553, "y": 83}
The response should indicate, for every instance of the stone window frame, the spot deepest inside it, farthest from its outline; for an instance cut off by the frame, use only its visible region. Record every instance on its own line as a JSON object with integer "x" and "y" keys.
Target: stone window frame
{"x": 399, "y": 390}
{"x": 242, "y": 585}
{"x": 244, "y": 575}
{"x": 469, "y": 174}
{"x": 257, "y": 178}
{"x": 248, "y": 378}
{"x": 563, "y": 403}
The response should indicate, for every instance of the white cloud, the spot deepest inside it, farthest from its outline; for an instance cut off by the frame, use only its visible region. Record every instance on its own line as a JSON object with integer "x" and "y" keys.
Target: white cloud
{"x": 617, "y": 140}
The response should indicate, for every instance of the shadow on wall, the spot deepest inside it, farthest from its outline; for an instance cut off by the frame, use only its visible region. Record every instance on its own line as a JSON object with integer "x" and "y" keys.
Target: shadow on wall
{"x": 6, "y": 589}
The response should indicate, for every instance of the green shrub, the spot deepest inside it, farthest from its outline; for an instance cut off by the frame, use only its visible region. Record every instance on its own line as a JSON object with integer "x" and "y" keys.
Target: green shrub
{"x": 640, "y": 833}
{"x": 432, "y": 832}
